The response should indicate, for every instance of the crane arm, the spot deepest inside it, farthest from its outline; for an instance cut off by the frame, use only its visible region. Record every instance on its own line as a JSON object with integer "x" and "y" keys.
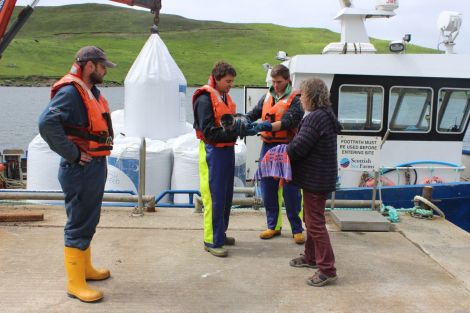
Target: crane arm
{"x": 154, "y": 5}
{"x": 6, "y": 9}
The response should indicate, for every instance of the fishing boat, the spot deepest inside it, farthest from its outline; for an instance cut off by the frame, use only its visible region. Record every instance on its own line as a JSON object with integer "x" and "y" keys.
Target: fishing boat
{"x": 404, "y": 116}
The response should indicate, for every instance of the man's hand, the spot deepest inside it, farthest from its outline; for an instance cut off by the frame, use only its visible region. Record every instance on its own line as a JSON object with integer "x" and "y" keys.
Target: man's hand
{"x": 85, "y": 158}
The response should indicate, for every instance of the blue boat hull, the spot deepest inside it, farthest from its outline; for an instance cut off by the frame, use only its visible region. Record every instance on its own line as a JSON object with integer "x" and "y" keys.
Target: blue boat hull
{"x": 454, "y": 199}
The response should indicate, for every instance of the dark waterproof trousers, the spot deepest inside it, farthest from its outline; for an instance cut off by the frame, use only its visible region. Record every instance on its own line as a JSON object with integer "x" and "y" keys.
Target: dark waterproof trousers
{"x": 83, "y": 187}
{"x": 216, "y": 174}
{"x": 318, "y": 246}
{"x": 273, "y": 195}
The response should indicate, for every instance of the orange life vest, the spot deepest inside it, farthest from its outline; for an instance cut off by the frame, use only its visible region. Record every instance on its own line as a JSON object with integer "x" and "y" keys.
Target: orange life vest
{"x": 219, "y": 108}
{"x": 97, "y": 138}
{"x": 273, "y": 113}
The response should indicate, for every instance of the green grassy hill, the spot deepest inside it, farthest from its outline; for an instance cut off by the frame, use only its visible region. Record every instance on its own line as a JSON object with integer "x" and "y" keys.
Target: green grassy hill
{"x": 45, "y": 46}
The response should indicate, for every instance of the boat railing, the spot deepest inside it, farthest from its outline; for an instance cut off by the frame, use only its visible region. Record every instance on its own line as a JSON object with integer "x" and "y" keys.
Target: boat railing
{"x": 457, "y": 168}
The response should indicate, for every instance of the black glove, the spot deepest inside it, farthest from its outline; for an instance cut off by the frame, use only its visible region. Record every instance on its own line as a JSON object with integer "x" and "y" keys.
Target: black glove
{"x": 238, "y": 127}
{"x": 264, "y": 127}
{"x": 251, "y": 129}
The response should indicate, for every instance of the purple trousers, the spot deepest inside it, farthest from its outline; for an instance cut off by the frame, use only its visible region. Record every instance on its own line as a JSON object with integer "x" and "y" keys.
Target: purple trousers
{"x": 318, "y": 246}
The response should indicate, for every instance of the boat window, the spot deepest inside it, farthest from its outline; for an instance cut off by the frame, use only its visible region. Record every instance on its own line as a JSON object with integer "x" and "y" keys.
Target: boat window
{"x": 360, "y": 108}
{"x": 410, "y": 109}
{"x": 453, "y": 110}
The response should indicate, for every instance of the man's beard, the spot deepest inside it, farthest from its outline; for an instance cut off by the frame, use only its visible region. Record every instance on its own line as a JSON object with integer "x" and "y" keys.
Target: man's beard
{"x": 95, "y": 78}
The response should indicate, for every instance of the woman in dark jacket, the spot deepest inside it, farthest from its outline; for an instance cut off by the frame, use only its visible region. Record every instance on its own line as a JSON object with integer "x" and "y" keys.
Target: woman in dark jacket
{"x": 314, "y": 163}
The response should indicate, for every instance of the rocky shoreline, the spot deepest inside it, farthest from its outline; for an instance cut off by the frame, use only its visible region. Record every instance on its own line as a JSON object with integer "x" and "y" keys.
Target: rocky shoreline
{"x": 41, "y": 81}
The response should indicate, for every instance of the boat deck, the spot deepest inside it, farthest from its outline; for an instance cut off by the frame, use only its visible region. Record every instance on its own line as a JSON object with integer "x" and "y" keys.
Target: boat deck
{"x": 158, "y": 265}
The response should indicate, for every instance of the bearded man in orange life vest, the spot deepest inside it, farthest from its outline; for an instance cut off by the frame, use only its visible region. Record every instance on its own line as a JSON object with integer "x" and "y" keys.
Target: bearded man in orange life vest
{"x": 77, "y": 125}
{"x": 280, "y": 112}
{"x": 216, "y": 155}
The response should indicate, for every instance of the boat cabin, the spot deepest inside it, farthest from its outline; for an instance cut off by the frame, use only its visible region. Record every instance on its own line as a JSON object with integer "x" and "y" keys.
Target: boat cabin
{"x": 422, "y": 103}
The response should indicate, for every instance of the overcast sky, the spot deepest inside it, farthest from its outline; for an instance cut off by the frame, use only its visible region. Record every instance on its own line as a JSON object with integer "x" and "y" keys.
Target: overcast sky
{"x": 417, "y": 17}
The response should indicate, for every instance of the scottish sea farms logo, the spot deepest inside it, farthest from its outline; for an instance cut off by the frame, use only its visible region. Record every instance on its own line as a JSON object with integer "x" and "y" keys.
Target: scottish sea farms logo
{"x": 344, "y": 163}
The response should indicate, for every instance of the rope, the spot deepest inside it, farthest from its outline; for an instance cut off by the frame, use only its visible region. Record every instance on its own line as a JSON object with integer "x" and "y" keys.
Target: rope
{"x": 391, "y": 212}
{"x": 417, "y": 211}
{"x": 421, "y": 213}
{"x": 430, "y": 204}
{"x": 12, "y": 183}
{"x": 394, "y": 216}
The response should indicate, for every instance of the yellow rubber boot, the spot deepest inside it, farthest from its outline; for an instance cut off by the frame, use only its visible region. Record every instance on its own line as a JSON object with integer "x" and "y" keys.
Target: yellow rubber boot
{"x": 269, "y": 233}
{"x": 299, "y": 238}
{"x": 76, "y": 284}
{"x": 92, "y": 273}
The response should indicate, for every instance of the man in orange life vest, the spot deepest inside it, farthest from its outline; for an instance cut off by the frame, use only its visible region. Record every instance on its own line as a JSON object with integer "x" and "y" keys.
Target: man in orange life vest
{"x": 216, "y": 155}
{"x": 281, "y": 112}
{"x": 77, "y": 126}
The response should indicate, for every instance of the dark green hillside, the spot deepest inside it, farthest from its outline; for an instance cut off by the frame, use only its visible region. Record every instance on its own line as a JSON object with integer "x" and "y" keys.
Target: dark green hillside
{"x": 45, "y": 46}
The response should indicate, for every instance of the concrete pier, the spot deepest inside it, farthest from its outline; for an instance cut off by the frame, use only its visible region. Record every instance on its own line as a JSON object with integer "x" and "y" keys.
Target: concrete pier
{"x": 158, "y": 264}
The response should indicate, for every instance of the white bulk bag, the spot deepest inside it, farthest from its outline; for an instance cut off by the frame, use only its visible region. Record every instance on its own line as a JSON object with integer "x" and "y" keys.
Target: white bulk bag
{"x": 117, "y": 117}
{"x": 42, "y": 167}
{"x": 185, "y": 174}
{"x": 188, "y": 128}
{"x": 186, "y": 165}
{"x": 155, "y": 94}
{"x": 125, "y": 160}
{"x": 240, "y": 166}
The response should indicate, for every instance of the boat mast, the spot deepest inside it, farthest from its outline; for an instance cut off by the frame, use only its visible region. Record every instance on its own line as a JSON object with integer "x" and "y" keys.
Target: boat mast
{"x": 354, "y": 38}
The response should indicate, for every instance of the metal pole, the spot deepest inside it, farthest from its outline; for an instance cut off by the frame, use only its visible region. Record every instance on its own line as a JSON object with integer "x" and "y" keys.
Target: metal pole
{"x": 139, "y": 210}
{"x": 29, "y": 195}
{"x": 253, "y": 201}
{"x": 257, "y": 201}
{"x": 333, "y": 196}
{"x": 427, "y": 194}
{"x": 376, "y": 173}
{"x": 374, "y": 191}
{"x": 385, "y": 138}
{"x": 20, "y": 170}
{"x": 250, "y": 191}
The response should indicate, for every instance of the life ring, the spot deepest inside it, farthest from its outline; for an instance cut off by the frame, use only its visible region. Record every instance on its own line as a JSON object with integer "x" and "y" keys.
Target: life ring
{"x": 430, "y": 204}
{"x": 432, "y": 180}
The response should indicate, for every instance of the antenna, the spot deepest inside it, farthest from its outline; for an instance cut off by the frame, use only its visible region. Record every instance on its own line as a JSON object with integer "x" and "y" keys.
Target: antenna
{"x": 387, "y": 5}
{"x": 449, "y": 24}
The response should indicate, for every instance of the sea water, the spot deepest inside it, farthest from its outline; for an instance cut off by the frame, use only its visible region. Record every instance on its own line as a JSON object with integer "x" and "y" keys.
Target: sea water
{"x": 20, "y": 108}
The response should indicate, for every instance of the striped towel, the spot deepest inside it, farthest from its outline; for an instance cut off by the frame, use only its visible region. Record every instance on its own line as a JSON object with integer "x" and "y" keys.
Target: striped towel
{"x": 276, "y": 164}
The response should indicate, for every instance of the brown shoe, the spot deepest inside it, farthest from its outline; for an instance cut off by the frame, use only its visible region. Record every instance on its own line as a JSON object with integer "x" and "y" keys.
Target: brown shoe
{"x": 299, "y": 238}
{"x": 320, "y": 279}
{"x": 269, "y": 233}
{"x": 300, "y": 262}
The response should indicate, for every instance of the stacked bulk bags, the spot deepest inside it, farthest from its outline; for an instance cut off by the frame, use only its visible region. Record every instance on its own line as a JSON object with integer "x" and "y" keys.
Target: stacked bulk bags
{"x": 124, "y": 165}
{"x": 185, "y": 174}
